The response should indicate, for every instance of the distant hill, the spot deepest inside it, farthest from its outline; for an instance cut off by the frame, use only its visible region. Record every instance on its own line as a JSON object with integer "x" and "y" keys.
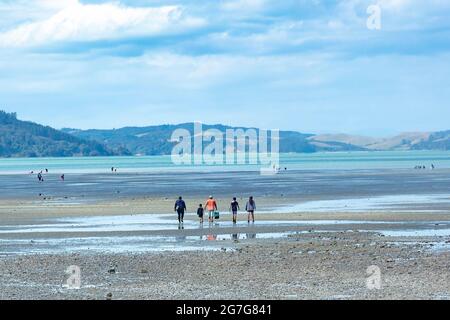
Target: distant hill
{"x": 27, "y": 139}
{"x": 404, "y": 141}
{"x": 435, "y": 141}
{"x": 155, "y": 140}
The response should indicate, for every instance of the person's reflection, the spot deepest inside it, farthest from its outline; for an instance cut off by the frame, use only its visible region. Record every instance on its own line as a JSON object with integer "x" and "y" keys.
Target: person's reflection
{"x": 235, "y": 236}
{"x": 211, "y": 237}
{"x": 251, "y": 235}
{"x": 182, "y": 236}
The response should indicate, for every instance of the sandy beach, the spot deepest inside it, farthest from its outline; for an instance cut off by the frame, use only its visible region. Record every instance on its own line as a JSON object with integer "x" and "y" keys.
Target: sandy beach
{"x": 315, "y": 237}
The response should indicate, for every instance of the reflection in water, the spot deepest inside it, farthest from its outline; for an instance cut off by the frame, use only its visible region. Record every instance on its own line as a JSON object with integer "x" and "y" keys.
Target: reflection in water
{"x": 181, "y": 238}
{"x": 201, "y": 228}
{"x": 211, "y": 237}
{"x": 235, "y": 236}
{"x": 251, "y": 235}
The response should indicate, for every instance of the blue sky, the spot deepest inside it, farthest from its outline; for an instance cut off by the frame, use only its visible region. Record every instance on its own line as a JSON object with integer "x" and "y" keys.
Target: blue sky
{"x": 306, "y": 65}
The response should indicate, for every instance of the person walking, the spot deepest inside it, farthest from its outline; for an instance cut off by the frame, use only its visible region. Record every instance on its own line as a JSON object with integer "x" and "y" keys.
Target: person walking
{"x": 250, "y": 208}
{"x": 180, "y": 208}
{"x": 200, "y": 212}
{"x": 211, "y": 207}
{"x": 234, "y": 207}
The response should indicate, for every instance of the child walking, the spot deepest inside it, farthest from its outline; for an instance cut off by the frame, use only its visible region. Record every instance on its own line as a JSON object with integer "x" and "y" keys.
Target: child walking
{"x": 234, "y": 207}
{"x": 200, "y": 212}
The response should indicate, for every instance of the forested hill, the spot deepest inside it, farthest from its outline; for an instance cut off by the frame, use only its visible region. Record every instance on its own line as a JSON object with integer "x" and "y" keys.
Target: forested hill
{"x": 156, "y": 140}
{"x": 27, "y": 139}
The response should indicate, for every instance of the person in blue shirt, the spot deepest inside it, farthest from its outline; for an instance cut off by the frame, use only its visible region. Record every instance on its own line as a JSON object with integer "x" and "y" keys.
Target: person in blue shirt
{"x": 180, "y": 208}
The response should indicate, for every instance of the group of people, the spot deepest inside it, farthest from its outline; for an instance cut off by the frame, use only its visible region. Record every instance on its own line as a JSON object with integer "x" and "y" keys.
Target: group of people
{"x": 424, "y": 167}
{"x": 212, "y": 208}
{"x": 40, "y": 175}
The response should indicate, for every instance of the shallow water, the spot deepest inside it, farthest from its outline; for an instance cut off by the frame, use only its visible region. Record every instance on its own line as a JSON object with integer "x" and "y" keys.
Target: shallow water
{"x": 381, "y": 203}
{"x": 130, "y": 244}
{"x": 212, "y": 237}
{"x": 102, "y": 245}
{"x": 152, "y": 222}
{"x": 293, "y": 161}
{"x": 416, "y": 233}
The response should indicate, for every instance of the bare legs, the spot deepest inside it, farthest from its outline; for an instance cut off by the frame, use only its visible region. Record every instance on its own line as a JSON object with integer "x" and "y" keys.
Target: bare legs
{"x": 251, "y": 215}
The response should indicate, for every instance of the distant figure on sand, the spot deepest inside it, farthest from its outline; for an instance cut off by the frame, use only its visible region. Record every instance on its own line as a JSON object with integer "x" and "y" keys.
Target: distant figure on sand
{"x": 234, "y": 207}
{"x": 40, "y": 178}
{"x": 211, "y": 207}
{"x": 200, "y": 212}
{"x": 180, "y": 208}
{"x": 63, "y": 177}
{"x": 112, "y": 169}
{"x": 250, "y": 208}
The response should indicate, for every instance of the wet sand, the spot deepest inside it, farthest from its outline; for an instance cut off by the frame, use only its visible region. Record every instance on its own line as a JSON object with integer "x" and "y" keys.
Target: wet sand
{"x": 276, "y": 259}
{"x": 105, "y": 222}
{"x": 307, "y": 266}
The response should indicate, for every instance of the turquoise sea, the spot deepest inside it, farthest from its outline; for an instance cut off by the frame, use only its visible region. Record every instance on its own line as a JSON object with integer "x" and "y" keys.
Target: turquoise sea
{"x": 315, "y": 161}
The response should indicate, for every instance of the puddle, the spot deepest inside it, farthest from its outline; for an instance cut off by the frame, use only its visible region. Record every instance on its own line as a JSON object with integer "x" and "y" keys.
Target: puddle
{"x": 383, "y": 203}
{"x": 123, "y": 244}
{"x": 152, "y": 222}
{"x": 131, "y": 244}
{"x": 62, "y": 241}
{"x": 105, "y": 245}
{"x": 437, "y": 246}
{"x": 249, "y": 236}
{"x": 416, "y": 233}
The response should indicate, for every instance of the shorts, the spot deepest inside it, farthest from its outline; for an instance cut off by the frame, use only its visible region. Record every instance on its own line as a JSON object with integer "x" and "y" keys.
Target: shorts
{"x": 235, "y": 213}
{"x": 211, "y": 214}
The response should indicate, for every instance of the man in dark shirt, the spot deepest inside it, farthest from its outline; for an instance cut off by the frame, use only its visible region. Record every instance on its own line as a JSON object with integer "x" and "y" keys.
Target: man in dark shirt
{"x": 180, "y": 208}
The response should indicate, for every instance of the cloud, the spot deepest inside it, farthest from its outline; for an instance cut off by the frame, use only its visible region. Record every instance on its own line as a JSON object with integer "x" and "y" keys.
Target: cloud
{"x": 313, "y": 59}
{"x": 89, "y": 22}
{"x": 243, "y": 5}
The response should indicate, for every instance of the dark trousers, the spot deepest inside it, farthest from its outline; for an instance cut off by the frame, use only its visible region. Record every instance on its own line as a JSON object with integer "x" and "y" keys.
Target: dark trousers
{"x": 180, "y": 215}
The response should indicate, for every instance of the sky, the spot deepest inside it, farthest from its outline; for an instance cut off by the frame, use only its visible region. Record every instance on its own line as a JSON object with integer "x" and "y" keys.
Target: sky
{"x": 313, "y": 66}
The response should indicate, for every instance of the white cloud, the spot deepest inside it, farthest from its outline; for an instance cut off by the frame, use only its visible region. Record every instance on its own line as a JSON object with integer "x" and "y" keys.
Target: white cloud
{"x": 85, "y": 22}
{"x": 243, "y": 5}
